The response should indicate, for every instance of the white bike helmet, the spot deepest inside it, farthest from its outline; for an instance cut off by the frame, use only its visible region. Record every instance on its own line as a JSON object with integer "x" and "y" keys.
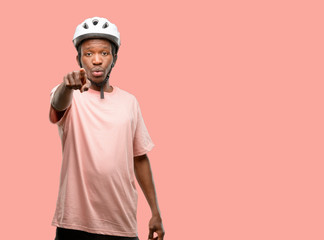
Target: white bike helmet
{"x": 96, "y": 27}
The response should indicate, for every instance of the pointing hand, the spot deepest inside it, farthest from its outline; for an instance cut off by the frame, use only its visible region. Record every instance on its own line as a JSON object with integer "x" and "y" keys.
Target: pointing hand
{"x": 77, "y": 80}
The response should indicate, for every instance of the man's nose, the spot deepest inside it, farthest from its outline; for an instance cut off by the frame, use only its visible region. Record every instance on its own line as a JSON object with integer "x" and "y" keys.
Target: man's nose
{"x": 97, "y": 59}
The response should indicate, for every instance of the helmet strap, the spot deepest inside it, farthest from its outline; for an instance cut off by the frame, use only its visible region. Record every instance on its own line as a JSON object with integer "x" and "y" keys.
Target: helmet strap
{"x": 101, "y": 85}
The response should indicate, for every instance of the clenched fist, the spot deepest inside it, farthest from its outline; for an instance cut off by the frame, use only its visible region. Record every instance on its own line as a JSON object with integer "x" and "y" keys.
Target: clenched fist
{"x": 77, "y": 80}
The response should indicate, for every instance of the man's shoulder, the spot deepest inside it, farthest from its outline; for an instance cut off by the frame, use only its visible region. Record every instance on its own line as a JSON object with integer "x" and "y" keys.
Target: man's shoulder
{"x": 125, "y": 94}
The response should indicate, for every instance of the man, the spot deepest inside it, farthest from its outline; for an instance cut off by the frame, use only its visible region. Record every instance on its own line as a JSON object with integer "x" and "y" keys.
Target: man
{"x": 105, "y": 145}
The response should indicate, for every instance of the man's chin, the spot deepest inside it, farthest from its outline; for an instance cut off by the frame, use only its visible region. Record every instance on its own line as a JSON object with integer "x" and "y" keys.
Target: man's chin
{"x": 97, "y": 79}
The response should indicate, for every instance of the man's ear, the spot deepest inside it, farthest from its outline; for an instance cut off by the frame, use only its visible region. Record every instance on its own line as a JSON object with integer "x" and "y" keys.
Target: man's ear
{"x": 114, "y": 61}
{"x": 78, "y": 60}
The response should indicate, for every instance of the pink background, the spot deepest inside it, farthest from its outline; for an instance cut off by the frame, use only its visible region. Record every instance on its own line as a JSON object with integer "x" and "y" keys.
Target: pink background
{"x": 231, "y": 92}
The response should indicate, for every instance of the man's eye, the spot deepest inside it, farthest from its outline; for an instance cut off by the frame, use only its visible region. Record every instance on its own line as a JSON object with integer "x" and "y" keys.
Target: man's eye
{"x": 104, "y": 53}
{"x": 88, "y": 54}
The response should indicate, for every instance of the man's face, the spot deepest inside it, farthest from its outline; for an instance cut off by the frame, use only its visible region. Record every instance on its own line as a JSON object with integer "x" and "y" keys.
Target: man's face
{"x": 96, "y": 58}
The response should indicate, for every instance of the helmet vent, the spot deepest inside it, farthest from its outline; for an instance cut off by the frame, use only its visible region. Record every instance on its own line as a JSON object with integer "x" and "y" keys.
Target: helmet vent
{"x": 85, "y": 25}
{"x": 95, "y": 22}
{"x": 105, "y": 25}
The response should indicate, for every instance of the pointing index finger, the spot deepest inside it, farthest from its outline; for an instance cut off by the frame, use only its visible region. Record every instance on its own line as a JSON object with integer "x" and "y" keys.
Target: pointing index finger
{"x": 83, "y": 77}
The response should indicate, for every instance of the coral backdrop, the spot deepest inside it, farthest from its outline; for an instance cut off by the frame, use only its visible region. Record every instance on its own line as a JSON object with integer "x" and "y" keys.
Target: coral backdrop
{"x": 232, "y": 95}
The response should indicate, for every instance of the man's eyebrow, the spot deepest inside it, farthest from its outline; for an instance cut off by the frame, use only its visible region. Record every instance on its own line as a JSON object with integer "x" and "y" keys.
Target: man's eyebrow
{"x": 93, "y": 47}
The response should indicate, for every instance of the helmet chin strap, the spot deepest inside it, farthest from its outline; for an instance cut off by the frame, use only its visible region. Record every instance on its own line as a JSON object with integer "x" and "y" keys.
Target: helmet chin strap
{"x": 101, "y": 85}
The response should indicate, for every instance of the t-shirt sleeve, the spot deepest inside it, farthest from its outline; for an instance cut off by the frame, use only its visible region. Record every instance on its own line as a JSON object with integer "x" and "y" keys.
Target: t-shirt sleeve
{"x": 53, "y": 114}
{"x": 52, "y": 93}
{"x": 142, "y": 143}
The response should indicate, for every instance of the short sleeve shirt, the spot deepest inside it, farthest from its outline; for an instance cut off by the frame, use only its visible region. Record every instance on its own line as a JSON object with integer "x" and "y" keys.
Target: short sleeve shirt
{"x": 100, "y": 138}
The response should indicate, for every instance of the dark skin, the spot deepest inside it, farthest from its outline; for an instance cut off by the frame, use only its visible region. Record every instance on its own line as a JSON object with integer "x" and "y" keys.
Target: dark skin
{"x": 145, "y": 180}
{"x": 97, "y": 60}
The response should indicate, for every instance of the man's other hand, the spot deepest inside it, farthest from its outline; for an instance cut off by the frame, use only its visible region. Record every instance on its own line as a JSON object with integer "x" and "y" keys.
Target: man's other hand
{"x": 155, "y": 225}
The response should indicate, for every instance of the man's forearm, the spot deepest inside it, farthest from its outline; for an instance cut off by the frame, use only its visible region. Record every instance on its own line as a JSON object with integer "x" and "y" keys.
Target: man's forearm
{"x": 62, "y": 98}
{"x": 145, "y": 179}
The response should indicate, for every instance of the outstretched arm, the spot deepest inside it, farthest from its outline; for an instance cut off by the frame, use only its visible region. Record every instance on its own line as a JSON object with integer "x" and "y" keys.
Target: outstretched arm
{"x": 62, "y": 97}
{"x": 144, "y": 178}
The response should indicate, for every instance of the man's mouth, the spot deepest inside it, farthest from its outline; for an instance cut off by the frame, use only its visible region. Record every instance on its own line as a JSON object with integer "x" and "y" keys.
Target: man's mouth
{"x": 96, "y": 72}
